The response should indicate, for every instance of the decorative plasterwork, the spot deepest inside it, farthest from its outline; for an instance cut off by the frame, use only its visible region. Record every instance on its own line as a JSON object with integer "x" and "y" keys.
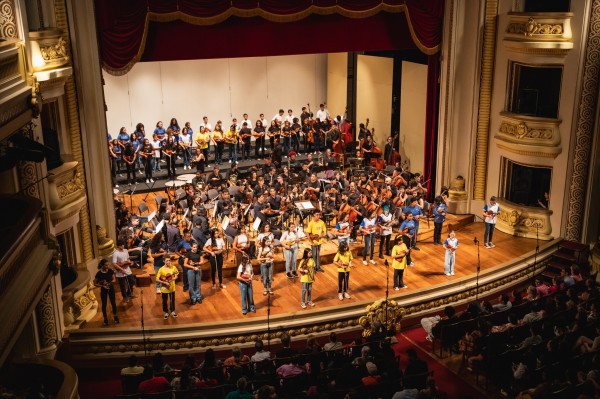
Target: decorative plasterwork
{"x": 8, "y": 21}
{"x": 586, "y": 111}
{"x": 545, "y": 33}
{"x": 527, "y": 135}
{"x": 53, "y": 49}
{"x": 66, "y": 192}
{"x": 485, "y": 99}
{"x": 389, "y": 313}
{"x": 524, "y": 221}
{"x": 46, "y": 321}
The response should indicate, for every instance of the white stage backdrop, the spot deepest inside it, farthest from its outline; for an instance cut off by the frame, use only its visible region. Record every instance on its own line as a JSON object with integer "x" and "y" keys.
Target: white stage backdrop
{"x": 220, "y": 89}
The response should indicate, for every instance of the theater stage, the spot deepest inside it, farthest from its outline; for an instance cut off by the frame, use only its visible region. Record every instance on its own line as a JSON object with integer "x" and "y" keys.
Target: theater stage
{"x": 218, "y": 320}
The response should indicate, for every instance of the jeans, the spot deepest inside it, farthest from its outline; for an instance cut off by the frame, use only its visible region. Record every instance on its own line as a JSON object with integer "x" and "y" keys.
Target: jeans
{"x": 316, "y": 250}
{"x": 158, "y": 285}
{"x": 108, "y": 294}
{"x": 233, "y": 148}
{"x": 216, "y": 268}
{"x": 218, "y": 153}
{"x": 398, "y": 280}
{"x": 165, "y": 300}
{"x": 449, "y": 261}
{"x": 194, "y": 279}
{"x": 184, "y": 275}
{"x": 384, "y": 243}
{"x": 286, "y": 145}
{"x": 369, "y": 246}
{"x": 186, "y": 157}
{"x": 489, "y": 232}
{"x": 247, "y": 297}
{"x": 266, "y": 274}
{"x": 290, "y": 258}
{"x": 307, "y": 292}
{"x": 126, "y": 284}
{"x": 343, "y": 280}
{"x": 157, "y": 164}
{"x": 246, "y": 149}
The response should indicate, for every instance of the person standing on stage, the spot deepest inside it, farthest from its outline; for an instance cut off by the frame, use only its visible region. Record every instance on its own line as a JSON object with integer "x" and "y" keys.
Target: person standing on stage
{"x": 342, "y": 228}
{"x": 202, "y": 139}
{"x": 219, "y": 138}
{"x": 214, "y": 247}
{"x": 170, "y": 151}
{"x": 367, "y": 227}
{"x": 158, "y": 250}
{"x": 408, "y": 231}
{"x": 289, "y": 240}
{"x": 343, "y": 260}
{"x": 316, "y": 230}
{"x": 105, "y": 278}
{"x": 450, "y": 244}
{"x": 156, "y": 146}
{"x": 439, "y": 215}
{"x": 307, "y": 270}
{"x": 146, "y": 154}
{"x": 232, "y": 137}
{"x": 259, "y": 134}
{"x": 399, "y": 255}
{"x": 490, "y": 213}
{"x": 192, "y": 268}
{"x": 384, "y": 221}
{"x": 166, "y": 276}
{"x": 246, "y": 137}
{"x": 265, "y": 256}
{"x": 120, "y": 260}
{"x": 244, "y": 277}
{"x": 417, "y": 213}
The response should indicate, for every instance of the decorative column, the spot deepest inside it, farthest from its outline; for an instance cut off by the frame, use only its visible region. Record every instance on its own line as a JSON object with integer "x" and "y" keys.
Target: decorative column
{"x": 582, "y": 149}
{"x": 46, "y": 323}
{"x": 72, "y": 114}
{"x": 485, "y": 99}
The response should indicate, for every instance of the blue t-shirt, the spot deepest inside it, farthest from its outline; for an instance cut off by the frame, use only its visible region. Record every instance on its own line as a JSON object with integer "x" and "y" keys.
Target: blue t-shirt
{"x": 160, "y": 131}
{"x": 160, "y": 261}
{"x": 109, "y": 136}
{"x": 439, "y": 216}
{"x": 410, "y": 225}
{"x": 117, "y": 150}
{"x": 124, "y": 137}
{"x": 415, "y": 210}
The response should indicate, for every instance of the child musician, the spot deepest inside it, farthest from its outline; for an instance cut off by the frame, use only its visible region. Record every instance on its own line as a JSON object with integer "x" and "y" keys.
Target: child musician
{"x": 450, "y": 244}
{"x": 244, "y": 277}
{"x": 166, "y": 276}
{"x": 343, "y": 260}
{"x": 399, "y": 256}
{"x": 307, "y": 270}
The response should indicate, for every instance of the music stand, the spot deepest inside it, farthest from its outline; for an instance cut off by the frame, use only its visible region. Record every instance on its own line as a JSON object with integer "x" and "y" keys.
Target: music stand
{"x": 333, "y": 165}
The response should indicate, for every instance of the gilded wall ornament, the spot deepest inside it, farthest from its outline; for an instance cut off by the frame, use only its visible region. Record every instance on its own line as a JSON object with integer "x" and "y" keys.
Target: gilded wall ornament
{"x": 8, "y": 22}
{"x": 522, "y": 131}
{"x": 533, "y": 28}
{"x": 56, "y": 51}
{"x": 70, "y": 187}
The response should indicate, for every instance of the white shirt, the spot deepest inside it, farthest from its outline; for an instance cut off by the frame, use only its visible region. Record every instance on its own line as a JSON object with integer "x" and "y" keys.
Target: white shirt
{"x": 156, "y": 145}
{"x": 185, "y": 138}
{"x": 289, "y": 118}
{"x": 121, "y": 256}
{"x": 265, "y": 123}
{"x": 219, "y": 243}
{"x": 366, "y": 223}
{"x": 494, "y": 209}
{"x": 322, "y": 114}
{"x": 287, "y": 236}
{"x": 278, "y": 118}
{"x": 249, "y": 122}
{"x": 386, "y": 231}
{"x": 206, "y": 125}
{"x": 341, "y": 226}
{"x": 452, "y": 243}
{"x": 246, "y": 269}
{"x": 260, "y": 237}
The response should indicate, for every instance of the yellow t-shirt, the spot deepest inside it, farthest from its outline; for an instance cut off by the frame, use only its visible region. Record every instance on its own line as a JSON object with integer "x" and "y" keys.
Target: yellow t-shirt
{"x": 217, "y": 135}
{"x": 310, "y": 267}
{"x": 397, "y": 250}
{"x": 317, "y": 228}
{"x": 202, "y": 139}
{"x": 344, "y": 258}
{"x": 232, "y": 135}
{"x": 166, "y": 273}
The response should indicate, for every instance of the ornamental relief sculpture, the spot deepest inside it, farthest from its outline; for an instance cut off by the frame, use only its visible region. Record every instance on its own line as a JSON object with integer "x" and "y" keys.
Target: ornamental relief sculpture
{"x": 70, "y": 187}
{"x": 533, "y": 28}
{"x": 522, "y": 131}
{"x": 56, "y": 51}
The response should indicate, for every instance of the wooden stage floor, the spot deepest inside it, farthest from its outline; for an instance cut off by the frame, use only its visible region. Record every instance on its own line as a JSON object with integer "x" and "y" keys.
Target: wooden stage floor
{"x": 367, "y": 283}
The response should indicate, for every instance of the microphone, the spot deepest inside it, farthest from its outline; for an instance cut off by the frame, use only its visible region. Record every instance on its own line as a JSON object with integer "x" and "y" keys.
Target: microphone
{"x": 475, "y": 240}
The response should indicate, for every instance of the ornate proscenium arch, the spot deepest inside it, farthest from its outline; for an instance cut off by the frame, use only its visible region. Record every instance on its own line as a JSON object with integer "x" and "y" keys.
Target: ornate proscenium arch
{"x": 131, "y": 31}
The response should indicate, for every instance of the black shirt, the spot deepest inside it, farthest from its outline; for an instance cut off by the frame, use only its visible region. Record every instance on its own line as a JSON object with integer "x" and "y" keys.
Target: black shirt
{"x": 105, "y": 278}
{"x": 194, "y": 257}
{"x": 248, "y": 132}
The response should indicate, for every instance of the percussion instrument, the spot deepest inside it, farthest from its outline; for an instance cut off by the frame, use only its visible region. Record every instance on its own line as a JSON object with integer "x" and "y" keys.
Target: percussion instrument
{"x": 187, "y": 178}
{"x": 174, "y": 184}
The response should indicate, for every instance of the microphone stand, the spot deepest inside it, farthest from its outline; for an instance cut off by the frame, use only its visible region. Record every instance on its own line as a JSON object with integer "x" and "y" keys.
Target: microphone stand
{"x": 268, "y": 318}
{"x": 476, "y": 241}
{"x": 143, "y": 328}
{"x": 387, "y": 291}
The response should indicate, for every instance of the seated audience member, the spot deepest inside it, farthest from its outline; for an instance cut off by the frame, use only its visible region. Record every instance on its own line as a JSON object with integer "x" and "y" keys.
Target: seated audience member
{"x": 373, "y": 377}
{"x": 503, "y": 304}
{"x": 534, "y": 314}
{"x": 286, "y": 351}
{"x": 568, "y": 280}
{"x": 333, "y": 343}
{"x": 266, "y": 391}
{"x": 291, "y": 368}
{"x": 414, "y": 366}
{"x": 532, "y": 294}
{"x": 159, "y": 365}
{"x": 585, "y": 344}
{"x": 261, "y": 354}
{"x": 185, "y": 380}
{"x": 153, "y": 384}
{"x": 534, "y": 338}
{"x": 133, "y": 368}
{"x": 556, "y": 285}
{"x": 576, "y": 273}
{"x": 516, "y": 298}
{"x": 242, "y": 391}
{"x": 432, "y": 325}
{"x": 236, "y": 358}
{"x": 365, "y": 356}
{"x": 513, "y": 322}
{"x": 211, "y": 366}
{"x": 541, "y": 287}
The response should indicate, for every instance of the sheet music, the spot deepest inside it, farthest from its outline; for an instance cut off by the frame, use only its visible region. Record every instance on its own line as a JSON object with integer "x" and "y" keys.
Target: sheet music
{"x": 186, "y": 212}
{"x": 214, "y": 213}
{"x": 304, "y": 205}
{"x": 151, "y": 215}
{"x": 225, "y": 223}
{"x": 159, "y": 226}
{"x": 256, "y": 224}
{"x": 247, "y": 209}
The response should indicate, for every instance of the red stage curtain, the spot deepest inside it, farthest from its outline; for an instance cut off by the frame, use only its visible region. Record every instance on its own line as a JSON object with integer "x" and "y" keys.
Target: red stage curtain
{"x": 431, "y": 123}
{"x": 132, "y": 30}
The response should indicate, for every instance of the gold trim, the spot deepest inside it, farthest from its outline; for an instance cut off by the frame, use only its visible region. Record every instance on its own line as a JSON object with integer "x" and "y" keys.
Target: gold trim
{"x": 257, "y": 12}
{"x": 485, "y": 100}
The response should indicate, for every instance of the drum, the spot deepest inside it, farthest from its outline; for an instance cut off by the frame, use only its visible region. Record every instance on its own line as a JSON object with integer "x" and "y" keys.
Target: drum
{"x": 174, "y": 184}
{"x": 186, "y": 178}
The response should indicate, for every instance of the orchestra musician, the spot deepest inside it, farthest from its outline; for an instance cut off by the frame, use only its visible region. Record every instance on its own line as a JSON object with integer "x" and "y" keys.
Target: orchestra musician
{"x": 265, "y": 257}
{"x": 218, "y": 137}
{"x": 274, "y": 132}
{"x": 199, "y": 160}
{"x": 417, "y": 213}
{"x": 277, "y": 153}
{"x": 289, "y": 241}
{"x": 146, "y": 154}
{"x": 203, "y": 140}
{"x": 185, "y": 143}
{"x": 122, "y": 263}
{"x": 316, "y": 231}
{"x": 105, "y": 278}
{"x": 307, "y": 270}
{"x": 129, "y": 159}
{"x": 242, "y": 244}
{"x": 342, "y": 228}
{"x": 214, "y": 247}
{"x": 232, "y": 138}
{"x": 439, "y": 215}
{"x": 399, "y": 256}
{"x": 367, "y": 228}
{"x": 384, "y": 221}
{"x": 408, "y": 232}
{"x": 296, "y": 130}
{"x": 246, "y": 137}
{"x": 329, "y": 158}
{"x": 369, "y": 149}
{"x": 170, "y": 151}
{"x": 214, "y": 176}
{"x": 158, "y": 250}
{"x": 259, "y": 135}
{"x": 286, "y": 133}
{"x": 232, "y": 175}
{"x": 490, "y": 214}
{"x": 166, "y": 277}
{"x": 343, "y": 260}
{"x": 224, "y": 205}
{"x": 245, "y": 275}
{"x": 308, "y": 132}
{"x": 192, "y": 267}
